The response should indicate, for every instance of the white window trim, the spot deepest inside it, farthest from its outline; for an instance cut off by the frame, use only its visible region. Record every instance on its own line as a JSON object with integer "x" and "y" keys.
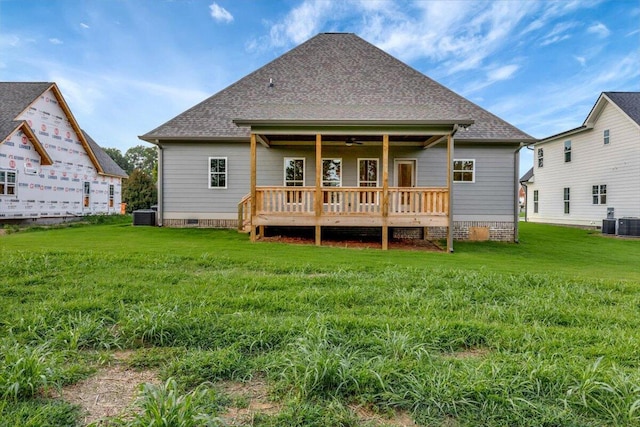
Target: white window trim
{"x": 569, "y": 151}
{"x": 606, "y": 137}
{"x": 599, "y": 194}
{"x": 473, "y": 171}
{"x": 540, "y": 157}
{"x": 566, "y": 196}
{"x": 377, "y": 160}
{"x": 339, "y": 159}
{"x": 226, "y": 173}
{"x": 304, "y": 169}
{"x": 6, "y": 180}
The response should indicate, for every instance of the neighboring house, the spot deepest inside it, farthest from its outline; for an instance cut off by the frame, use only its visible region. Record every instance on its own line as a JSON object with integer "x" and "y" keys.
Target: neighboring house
{"x": 50, "y": 168}
{"x": 592, "y": 172}
{"x": 337, "y": 133}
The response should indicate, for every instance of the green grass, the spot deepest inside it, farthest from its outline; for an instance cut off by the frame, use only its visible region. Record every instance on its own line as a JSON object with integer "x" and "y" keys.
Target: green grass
{"x": 544, "y": 332}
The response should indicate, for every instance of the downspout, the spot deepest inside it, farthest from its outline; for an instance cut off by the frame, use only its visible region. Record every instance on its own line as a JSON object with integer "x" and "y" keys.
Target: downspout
{"x": 159, "y": 214}
{"x": 526, "y": 194}
{"x": 516, "y": 183}
{"x": 450, "y": 156}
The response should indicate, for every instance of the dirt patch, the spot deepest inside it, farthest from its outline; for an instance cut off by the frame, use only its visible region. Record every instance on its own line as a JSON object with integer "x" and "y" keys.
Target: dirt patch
{"x": 110, "y": 392}
{"x": 402, "y": 244}
{"x": 248, "y": 399}
{"x": 392, "y": 419}
{"x": 474, "y": 352}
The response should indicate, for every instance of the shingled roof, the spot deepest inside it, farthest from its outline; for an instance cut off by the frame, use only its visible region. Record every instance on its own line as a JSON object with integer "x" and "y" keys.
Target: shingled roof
{"x": 15, "y": 97}
{"x": 629, "y": 102}
{"x": 334, "y": 76}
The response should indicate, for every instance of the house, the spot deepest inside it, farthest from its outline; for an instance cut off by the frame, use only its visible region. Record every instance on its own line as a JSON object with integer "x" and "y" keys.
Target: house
{"x": 584, "y": 175}
{"x": 338, "y": 133}
{"x": 49, "y": 168}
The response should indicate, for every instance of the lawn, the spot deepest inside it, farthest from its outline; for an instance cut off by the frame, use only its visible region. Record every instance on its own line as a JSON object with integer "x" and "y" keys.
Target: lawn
{"x": 544, "y": 332}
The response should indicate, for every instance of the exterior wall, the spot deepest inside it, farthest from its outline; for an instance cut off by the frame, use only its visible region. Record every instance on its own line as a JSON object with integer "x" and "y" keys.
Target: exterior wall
{"x": 56, "y": 190}
{"x": 616, "y": 165}
{"x": 188, "y": 202}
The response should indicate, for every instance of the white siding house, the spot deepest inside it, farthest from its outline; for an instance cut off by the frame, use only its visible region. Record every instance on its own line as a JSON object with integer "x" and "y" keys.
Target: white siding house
{"x": 581, "y": 175}
{"x": 49, "y": 167}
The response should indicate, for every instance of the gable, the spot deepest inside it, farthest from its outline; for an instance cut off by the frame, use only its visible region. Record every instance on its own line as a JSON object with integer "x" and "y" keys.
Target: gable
{"x": 22, "y": 142}
{"x": 333, "y": 77}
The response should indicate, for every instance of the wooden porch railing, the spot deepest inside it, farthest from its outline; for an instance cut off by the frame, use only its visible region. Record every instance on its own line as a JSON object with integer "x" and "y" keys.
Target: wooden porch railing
{"x": 345, "y": 201}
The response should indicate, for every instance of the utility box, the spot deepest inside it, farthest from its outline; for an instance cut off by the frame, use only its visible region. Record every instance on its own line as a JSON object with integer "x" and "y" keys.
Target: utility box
{"x": 610, "y": 213}
{"x": 144, "y": 217}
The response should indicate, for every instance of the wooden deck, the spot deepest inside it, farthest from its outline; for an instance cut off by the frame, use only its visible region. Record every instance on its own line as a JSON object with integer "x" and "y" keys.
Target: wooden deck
{"x": 346, "y": 206}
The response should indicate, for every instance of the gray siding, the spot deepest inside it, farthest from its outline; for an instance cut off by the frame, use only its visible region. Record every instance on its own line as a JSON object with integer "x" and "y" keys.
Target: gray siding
{"x": 185, "y": 175}
{"x": 492, "y": 194}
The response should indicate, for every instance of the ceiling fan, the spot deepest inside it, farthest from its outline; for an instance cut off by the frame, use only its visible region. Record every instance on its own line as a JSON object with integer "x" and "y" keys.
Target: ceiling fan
{"x": 351, "y": 140}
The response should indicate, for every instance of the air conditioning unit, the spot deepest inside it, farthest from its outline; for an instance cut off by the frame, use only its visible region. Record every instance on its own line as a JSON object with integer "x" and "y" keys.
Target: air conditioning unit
{"x": 609, "y": 226}
{"x": 629, "y": 227}
{"x": 144, "y": 217}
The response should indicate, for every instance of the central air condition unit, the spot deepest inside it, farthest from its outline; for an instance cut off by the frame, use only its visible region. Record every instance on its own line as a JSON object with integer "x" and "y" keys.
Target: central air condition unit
{"x": 144, "y": 217}
{"x": 629, "y": 227}
{"x": 609, "y": 226}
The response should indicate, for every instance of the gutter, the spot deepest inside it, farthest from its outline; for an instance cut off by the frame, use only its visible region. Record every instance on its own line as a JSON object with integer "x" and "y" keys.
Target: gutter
{"x": 516, "y": 183}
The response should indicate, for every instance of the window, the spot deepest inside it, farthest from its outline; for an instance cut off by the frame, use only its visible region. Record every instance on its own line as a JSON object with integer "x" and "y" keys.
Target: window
{"x": 331, "y": 172}
{"x": 464, "y": 171}
{"x": 606, "y": 136}
{"x": 86, "y": 194}
{"x": 7, "y": 183}
{"x": 599, "y": 194}
{"x": 367, "y": 172}
{"x": 111, "y": 194}
{"x": 567, "y": 151}
{"x": 293, "y": 172}
{"x": 217, "y": 172}
{"x": 540, "y": 157}
{"x": 567, "y": 199}
{"x": 535, "y": 201}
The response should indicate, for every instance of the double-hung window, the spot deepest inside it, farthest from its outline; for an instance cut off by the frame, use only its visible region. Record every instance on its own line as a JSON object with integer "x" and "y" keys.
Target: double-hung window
{"x": 368, "y": 177}
{"x": 294, "y": 177}
{"x": 535, "y": 201}
{"x": 567, "y": 151}
{"x": 567, "y": 200}
{"x": 599, "y": 194}
{"x": 605, "y": 136}
{"x": 111, "y": 195}
{"x": 331, "y": 177}
{"x": 7, "y": 183}
{"x": 540, "y": 157}
{"x": 464, "y": 170}
{"x": 218, "y": 172}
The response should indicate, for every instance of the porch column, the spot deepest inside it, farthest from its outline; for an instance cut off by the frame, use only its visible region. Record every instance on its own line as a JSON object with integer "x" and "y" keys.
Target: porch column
{"x": 450, "y": 191}
{"x": 252, "y": 183}
{"x": 318, "y": 201}
{"x": 385, "y": 192}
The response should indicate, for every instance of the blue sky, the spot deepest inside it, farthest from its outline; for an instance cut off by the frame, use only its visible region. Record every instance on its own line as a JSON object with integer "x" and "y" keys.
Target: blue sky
{"x": 127, "y": 66}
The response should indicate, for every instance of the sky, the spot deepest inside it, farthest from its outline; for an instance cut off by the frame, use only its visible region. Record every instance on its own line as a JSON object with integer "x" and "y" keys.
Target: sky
{"x": 127, "y": 66}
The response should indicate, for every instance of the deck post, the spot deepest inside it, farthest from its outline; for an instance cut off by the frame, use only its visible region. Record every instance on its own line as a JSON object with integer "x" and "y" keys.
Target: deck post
{"x": 252, "y": 183}
{"x": 318, "y": 201}
{"x": 450, "y": 188}
{"x": 385, "y": 191}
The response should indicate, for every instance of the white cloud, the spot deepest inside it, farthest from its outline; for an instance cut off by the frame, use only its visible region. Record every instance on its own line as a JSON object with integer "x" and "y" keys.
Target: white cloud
{"x": 302, "y": 22}
{"x": 219, "y": 13}
{"x": 581, "y": 59}
{"x": 502, "y": 73}
{"x": 558, "y": 33}
{"x": 55, "y": 41}
{"x": 83, "y": 25}
{"x": 599, "y": 29}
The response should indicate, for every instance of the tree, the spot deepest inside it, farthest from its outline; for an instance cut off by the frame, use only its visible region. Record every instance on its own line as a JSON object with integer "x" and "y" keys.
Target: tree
{"x": 139, "y": 191}
{"x": 119, "y": 158}
{"x": 143, "y": 158}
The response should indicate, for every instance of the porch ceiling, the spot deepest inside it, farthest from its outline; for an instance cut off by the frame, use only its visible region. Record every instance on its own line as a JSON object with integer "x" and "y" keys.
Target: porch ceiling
{"x": 346, "y": 139}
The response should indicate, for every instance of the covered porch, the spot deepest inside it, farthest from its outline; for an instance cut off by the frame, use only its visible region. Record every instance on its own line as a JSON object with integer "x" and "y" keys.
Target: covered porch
{"x": 374, "y": 202}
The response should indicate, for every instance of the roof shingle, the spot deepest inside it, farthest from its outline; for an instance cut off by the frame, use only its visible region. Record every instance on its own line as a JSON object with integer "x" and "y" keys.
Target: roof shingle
{"x": 333, "y": 77}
